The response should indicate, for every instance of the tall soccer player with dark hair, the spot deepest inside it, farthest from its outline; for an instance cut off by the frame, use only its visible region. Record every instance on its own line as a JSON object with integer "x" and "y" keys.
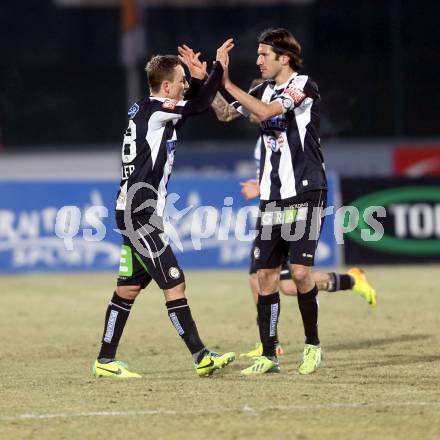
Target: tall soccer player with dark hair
{"x": 326, "y": 282}
{"x": 331, "y": 282}
{"x": 292, "y": 187}
{"x": 147, "y": 159}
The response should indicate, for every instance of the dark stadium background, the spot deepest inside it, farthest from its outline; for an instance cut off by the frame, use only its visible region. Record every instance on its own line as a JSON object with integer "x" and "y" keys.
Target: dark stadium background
{"x": 62, "y": 82}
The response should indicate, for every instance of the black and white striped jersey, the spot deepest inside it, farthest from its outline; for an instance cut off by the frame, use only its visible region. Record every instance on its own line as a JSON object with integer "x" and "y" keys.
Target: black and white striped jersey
{"x": 150, "y": 143}
{"x": 291, "y": 161}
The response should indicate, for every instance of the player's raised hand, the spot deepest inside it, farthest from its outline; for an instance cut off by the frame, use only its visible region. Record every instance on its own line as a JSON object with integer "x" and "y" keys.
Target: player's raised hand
{"x": 197, "y": 68}
{"x": 223, "y": 51}
{"x": 250, "y": 189}
{"x": 223, "y": 58}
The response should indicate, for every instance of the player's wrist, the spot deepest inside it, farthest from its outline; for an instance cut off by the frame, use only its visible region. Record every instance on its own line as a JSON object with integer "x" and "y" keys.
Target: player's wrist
{"x": 228, "y": 84}
{"x": 198, "y": 77}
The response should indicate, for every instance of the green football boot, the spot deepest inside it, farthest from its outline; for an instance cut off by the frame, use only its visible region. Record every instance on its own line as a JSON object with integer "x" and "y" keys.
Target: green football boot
{"x": 262, "y": 365}
{"x": 115, "y": 369}
{"x": 213, "y": 361}
{"x": 311, "y": 359}
{"x": 258, "y": 351}
{"x": 362, "y": 287}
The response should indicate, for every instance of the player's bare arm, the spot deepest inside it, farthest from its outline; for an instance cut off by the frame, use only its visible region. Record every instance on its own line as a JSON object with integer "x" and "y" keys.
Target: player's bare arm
{"x": 259, "y": 110}
{"x": 223, "y": 110}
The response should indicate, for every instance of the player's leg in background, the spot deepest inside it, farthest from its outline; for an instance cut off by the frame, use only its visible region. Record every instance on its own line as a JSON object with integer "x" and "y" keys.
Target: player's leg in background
{"x": 287, "y": 286}
{"x": 354, "y": 280}
{"x": 255, "y": 288}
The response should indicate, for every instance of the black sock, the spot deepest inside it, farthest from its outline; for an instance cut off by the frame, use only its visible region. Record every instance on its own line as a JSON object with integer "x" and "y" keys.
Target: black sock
{"x": 276, "y": 335}
{"x": 340, "y": 281}
{"x": 180, "y": 315}
{"x": 268, "y": 312}
{"x": 308, "y": 307}
{"x": 115, "y": 319}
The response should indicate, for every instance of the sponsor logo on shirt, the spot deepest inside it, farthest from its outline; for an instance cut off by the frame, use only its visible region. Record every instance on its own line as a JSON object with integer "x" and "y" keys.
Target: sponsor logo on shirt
{"x": 133, "y": 110}
{"x": 277, "y": 123}
{"x": 297, "y": 95}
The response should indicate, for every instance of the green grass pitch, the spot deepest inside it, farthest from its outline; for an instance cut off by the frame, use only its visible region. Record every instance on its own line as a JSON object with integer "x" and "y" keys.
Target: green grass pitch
{"x": 380, "y": 376}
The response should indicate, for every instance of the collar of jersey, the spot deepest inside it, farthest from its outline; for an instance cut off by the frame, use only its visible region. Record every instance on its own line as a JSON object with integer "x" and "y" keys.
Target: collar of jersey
{"x": 284, "y": 85}
{"x": 160, "y": 98}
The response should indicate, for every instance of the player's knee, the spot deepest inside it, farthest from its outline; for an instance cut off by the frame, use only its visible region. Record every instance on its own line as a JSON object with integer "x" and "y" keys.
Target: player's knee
{"x": 301, "y": 274}
{"x": 177, "y": 292}
{"x": 128, "y": 292}
{"x": 268, "y": 279}
{"x": 288, "y": 287}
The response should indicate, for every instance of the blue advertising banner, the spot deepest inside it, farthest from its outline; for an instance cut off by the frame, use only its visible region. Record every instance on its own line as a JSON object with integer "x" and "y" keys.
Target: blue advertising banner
{"x": 68, "y": 226}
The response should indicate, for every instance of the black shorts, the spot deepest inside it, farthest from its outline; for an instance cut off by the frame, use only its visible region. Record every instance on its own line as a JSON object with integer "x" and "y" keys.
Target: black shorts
{"x": 146, "y": 254}
{"x": 290, "y": 229}
{"x": 284, "y": 272}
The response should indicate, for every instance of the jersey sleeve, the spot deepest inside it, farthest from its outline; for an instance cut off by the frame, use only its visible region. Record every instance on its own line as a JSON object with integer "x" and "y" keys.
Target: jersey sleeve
{"x": 206, "y": 94}
{"x": 194, "y": 88}
{"x": 166, "y": 110}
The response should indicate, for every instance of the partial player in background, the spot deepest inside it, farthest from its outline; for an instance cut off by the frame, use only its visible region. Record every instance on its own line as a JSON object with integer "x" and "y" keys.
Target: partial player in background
{"x": 147, "y": 159}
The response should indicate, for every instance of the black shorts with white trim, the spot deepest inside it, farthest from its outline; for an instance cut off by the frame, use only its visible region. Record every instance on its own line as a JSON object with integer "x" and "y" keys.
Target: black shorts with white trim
{"x": 289, "y": 229}
{"x": 146, "y": 254}
{"x": 284, "y": 271}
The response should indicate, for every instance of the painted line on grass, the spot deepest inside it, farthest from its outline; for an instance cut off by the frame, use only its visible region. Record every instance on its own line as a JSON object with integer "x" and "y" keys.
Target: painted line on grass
{"x": 247, "y": 410}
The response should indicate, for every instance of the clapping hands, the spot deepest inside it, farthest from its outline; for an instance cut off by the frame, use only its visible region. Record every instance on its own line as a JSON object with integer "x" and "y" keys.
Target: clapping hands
{"x": 197, "y": 68}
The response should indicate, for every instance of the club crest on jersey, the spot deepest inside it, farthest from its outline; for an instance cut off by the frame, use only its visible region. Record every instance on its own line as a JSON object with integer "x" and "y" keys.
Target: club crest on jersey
{"x": 297, "y": 95}
{"x": 169, "y": 104}
{"x": 133, "y": 110}
{"x": 272, "y": 143}
{"x": 174, "y": 273}
{"x": 256, "y": 253}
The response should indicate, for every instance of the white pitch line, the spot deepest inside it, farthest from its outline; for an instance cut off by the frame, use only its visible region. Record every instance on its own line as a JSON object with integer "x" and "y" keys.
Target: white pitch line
{"x": 245, "y": 410}
{"x": 146, "y": 412}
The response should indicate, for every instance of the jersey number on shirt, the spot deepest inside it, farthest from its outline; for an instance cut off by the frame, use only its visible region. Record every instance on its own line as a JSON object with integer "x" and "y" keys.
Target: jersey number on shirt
{"x": 129, "y": 144}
